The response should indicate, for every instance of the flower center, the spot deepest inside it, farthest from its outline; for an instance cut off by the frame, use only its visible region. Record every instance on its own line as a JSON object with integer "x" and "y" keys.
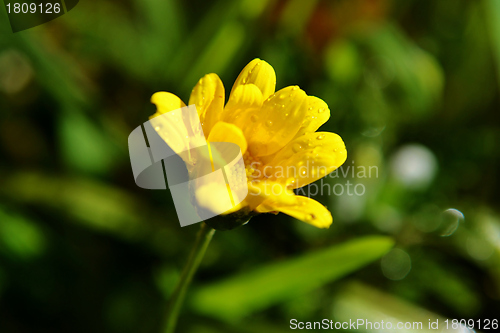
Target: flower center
{"x": 253, "y": 168}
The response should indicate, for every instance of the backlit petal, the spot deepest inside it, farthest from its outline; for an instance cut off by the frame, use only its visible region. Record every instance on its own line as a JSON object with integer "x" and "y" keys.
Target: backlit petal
{"x": 261, "y": 74}
{"x": 307, "y": 159}
{"x": 317, "y": 113}
{"x": 268, "y": 191}
{"x": 301, "y": 208}
{"x": 245, "y": 98}
{"x": 166, "y": 102}
{"x": 208, "y": 95}
{"x": 171, "y": 132}
{"x": 271, "y": 127}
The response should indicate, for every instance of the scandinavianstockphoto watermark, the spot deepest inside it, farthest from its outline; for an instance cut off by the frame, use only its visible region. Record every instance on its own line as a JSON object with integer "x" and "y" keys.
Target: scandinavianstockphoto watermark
{"x": 348, "y": 173}
{"x": 344, "y": 180}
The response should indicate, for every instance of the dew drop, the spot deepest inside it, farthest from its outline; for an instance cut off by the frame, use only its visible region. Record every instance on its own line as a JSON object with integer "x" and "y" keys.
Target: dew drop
{"x": 320, "y": 137}
{"x": 157, "y": 128}
{"x": 269, "y": 123}
{"x": 321, "y": 110}
{"x": 297, "y": 147}
{"x": 282, "y": 96}
{"x": 295, "y": 88}
{"x": 244, "y": 80}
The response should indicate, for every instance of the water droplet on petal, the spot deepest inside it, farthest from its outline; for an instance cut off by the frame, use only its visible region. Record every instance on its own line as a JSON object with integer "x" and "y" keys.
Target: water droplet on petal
{"x": 296, "y": 147}
{"x": 295, "y": 88}
{"x": 290, "y": 181}
{"x": 320, "y": 137}
{"x": 321, "y": 110}
{"x": 282, "y": 96}
{"x": 157, "y": 128}
{"x": 269, "y": 123}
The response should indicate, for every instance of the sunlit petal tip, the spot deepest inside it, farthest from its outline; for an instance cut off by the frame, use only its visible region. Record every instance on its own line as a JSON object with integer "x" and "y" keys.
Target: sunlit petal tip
{"x": 261, "y": 74}
{"x": 166, "y": 102}
{"x": 209, "y": 97}
{"x": 317, "y": 113}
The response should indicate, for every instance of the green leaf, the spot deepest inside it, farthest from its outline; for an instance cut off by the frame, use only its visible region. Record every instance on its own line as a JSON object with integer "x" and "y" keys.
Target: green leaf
{"x": 238, "y": 296}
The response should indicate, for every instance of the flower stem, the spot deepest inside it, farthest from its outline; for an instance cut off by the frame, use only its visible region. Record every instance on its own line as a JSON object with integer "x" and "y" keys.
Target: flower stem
{"x": 197, "y": 252}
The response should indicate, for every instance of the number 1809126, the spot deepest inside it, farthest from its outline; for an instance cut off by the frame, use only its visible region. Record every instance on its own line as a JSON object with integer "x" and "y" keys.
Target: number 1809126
{"x": 42, "y": 8}
{"x": 484, "y": 324}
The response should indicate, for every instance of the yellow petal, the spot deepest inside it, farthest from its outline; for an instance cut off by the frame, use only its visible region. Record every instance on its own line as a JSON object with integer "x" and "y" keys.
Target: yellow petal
{"x": 317, "y": 113}
{"x": 174, "y": 135}
{"x": 244, "y": 97}
{"x": 225, "y": 132}
{"x": 307, "y": 159}
{"x": 301, "y": 208}
{"x": 181, "y": 130}
{"x": 166, "y": 102}
{"x": 271, "y": 127}
{"x": 267, "y": 191}
{"x": 261, "y": 74}
{"x": 208, "y": 95}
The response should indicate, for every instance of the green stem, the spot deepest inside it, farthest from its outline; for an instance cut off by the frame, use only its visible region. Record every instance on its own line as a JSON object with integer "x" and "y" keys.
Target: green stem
{"x": 197, "y": 252}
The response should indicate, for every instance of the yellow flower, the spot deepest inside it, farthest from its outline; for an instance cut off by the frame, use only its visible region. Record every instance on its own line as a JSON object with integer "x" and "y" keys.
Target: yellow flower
{"x": 276, "y": 132}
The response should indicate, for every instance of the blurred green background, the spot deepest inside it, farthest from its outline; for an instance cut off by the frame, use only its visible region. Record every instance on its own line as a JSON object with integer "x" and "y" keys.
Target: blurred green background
{"x": 413, "y": 87}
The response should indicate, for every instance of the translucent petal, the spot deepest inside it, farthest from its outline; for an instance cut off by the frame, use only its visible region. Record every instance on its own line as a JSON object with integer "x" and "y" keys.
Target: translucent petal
{"x": 261, "y": 74}
{"x": 301, "y": 208}
{"x": 307, "y": 159}
{"x": 271, "y": 127}
{"x": 166, "y": 102}
{"x": 209, "y": 97}
{"x": 317, "y": 113}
